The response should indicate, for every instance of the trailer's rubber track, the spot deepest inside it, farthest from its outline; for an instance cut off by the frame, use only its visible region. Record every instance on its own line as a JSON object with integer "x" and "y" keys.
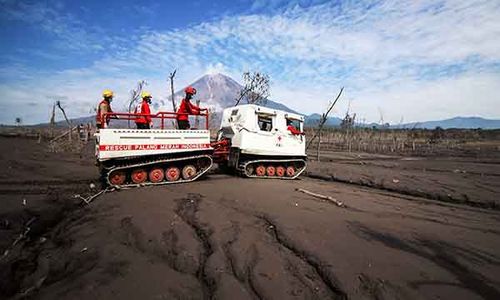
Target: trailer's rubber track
{"x": 243, "y": 170}
{"x": 129, "y": 167}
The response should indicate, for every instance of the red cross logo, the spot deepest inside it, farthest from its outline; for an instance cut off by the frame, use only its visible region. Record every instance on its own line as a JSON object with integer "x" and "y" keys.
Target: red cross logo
{"x": 279, "y": 138}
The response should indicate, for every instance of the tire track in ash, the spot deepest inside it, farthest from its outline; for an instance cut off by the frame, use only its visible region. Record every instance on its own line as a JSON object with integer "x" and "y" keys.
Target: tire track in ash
{"x": 38, "y": 187}
{"x": 305, "y": 273}
{"x": 246, "y": 278}
{"x": 320, "y": 269}
{"x": 429, "y": 195}
{"x": 135, "y": 238}
{"x": 187, "y": 209}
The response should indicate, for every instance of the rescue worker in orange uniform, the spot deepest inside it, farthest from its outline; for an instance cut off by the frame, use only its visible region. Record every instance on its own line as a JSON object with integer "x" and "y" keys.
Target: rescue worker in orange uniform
{"x": 144, "y": 122}
{"x": 103, "y": 108}
{"x": 292, "y": 128}
{"x": 187, "y": 108}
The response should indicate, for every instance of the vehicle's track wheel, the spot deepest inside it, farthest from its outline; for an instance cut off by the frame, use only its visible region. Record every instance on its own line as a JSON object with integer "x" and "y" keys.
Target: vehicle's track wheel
{"x": 280, "y": 171}
{"x": 250, "y": 169}
{"x": 172, "y": 174}
{"x": 260, "y": 170}
{"x": 271, "y": 171}
{"x": 188, "y": 172}
{"x": 117, "y": 177}
{"x": 290, "y": 171}
{"x": 139, "y": 176}
{"x": 156, "y": 175}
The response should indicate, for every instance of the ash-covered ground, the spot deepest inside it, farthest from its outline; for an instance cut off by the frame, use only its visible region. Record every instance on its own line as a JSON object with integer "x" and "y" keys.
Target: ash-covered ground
{"x": 402, "y": 235}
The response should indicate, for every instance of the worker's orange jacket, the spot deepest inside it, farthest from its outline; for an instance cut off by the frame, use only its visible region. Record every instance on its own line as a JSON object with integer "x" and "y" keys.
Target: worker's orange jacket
{"x": 143, "y": 108}
{"x": 103, "y": 107}
{"x": 186, "y": 109}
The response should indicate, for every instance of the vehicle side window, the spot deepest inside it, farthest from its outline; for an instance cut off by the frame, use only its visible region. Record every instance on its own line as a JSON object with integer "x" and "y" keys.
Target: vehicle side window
{"x": 265, "y": 123}
{"x": 295, "y": 123}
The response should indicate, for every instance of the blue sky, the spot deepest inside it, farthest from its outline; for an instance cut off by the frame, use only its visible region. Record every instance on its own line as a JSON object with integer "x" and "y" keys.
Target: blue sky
{"x": 410, "y": 60}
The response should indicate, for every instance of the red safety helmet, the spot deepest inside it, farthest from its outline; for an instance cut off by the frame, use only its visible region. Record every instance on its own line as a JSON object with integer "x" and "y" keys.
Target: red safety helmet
{"x": 190, "y": 90}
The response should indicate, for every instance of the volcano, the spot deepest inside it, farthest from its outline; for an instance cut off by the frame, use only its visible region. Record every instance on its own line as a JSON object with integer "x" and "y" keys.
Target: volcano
{"x": 219, "y": 91}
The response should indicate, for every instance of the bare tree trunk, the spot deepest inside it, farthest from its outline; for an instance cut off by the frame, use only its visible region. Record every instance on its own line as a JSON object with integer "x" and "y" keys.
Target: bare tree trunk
{"x": 172, "y": 92}
{"x": 52, "y": 121}
{"x": 197, "y": 119}
{"x": 323, "y": 119}
{"x": 319, "y": 146}
{"x": 349, "y": 138}
{"x": 66, "y": 118}
{"x": 239, "y": 99}
{"x": 172, "y": 75}
{"x": 134, "y": 97}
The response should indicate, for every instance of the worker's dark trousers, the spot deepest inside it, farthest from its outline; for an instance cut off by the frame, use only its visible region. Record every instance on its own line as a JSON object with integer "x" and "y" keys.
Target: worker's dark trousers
{"x": 183, "y": 124}
{"x": 142, "y": 126}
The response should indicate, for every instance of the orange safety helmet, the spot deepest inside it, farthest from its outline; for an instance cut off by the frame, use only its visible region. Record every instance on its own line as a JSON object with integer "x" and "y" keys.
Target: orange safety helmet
{"x": 190, "y": 90}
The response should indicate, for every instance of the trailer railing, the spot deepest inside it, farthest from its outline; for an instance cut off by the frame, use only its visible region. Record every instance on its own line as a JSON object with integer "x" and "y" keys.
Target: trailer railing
{"x": 162, "y": 116}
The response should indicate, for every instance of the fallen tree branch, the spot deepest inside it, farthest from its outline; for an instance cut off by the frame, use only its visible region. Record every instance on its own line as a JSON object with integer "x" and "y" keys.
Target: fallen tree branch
{"x": 63, "y": 134}
{"x": 91, "y": 198}
{"x": 327, "y": 198}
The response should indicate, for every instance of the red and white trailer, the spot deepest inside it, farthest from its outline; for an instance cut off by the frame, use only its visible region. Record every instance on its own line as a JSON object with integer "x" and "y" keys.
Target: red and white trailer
{"x": 131, "y": 157}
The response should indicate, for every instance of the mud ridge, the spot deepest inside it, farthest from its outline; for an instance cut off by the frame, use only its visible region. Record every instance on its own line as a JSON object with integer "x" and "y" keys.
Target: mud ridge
{"x": 187, "y": 209}
{"x": 442, "y": 198}
{"x": 47, "y": 182}
{"x": 231, "y": 260}
{"x": 37, "y": 191}
{"x": 135, "y": 238}
{"x": 250, "y": 272}
{"x": 442, "y": 254}
{"x": 245, "y": 278}
{"x": 320, "y": 268}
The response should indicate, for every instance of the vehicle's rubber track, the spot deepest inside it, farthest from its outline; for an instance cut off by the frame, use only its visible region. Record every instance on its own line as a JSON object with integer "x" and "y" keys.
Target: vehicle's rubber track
{"x": 147, "y": 164}
{"x": 243, "y": 170}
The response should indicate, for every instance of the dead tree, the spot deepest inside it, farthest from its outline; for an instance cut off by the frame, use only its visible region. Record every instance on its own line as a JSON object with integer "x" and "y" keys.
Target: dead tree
{"x": 348, "y": 121}
{"x": 197, "y": 120}
{"x": 172, "y": 92}
{"x": 58, "y": 103}
{"x": 52, "y": 120}
{"x": 255, "y": 89}
{"x": 322, "y": 121}
{"x": 172, "y": 75}
{"x": 135, "y": 95}
{"x": 212, "y": 119}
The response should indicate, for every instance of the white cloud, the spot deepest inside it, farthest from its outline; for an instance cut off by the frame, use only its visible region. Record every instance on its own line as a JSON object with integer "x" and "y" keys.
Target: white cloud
{"x": 417, "y": 59}
{"x": 466, "y": 95}
{"x": 70, "y": 33}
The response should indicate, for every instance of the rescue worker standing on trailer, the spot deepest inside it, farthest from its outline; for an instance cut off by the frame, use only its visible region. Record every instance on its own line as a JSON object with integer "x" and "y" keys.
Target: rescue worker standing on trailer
{"x": 144, "y": 122}
{"x": 187, "y": 108}
{"x": 103, "y": 108}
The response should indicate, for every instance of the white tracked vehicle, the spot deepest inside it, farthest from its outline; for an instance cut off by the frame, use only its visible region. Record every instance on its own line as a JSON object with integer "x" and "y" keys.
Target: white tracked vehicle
{"x": 254, "y": 141}
{"x": 261, "y": 142}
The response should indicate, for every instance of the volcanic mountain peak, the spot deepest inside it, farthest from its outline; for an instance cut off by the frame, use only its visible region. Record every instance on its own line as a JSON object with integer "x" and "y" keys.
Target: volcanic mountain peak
{"x": 220, "y": 91}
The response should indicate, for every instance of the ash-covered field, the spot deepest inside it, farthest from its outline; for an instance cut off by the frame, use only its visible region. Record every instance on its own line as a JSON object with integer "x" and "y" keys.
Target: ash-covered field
{"x": 411, "y": 228}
